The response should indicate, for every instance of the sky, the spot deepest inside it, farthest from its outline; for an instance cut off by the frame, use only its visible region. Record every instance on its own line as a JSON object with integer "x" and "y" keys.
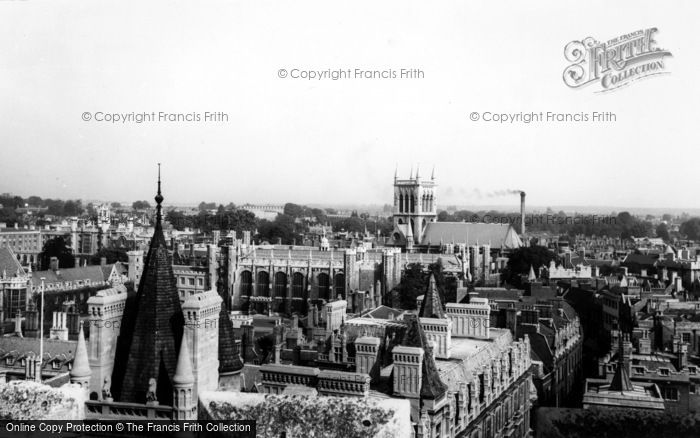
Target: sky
{"x": 340, "y": 141}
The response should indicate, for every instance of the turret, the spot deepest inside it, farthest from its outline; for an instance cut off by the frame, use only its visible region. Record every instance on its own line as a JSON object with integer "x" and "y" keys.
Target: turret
{"x": 80, "y": 372}
{"x": 184, "y": 399}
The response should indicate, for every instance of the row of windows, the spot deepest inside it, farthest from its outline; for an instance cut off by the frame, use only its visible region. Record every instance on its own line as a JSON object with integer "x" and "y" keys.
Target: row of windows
{"x": 190, "y": 281}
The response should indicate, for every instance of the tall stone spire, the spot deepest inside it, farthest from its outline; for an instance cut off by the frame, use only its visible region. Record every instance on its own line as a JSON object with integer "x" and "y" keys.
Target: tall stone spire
{"x": 150, "y": 347}
{"x": 432, "y": 305}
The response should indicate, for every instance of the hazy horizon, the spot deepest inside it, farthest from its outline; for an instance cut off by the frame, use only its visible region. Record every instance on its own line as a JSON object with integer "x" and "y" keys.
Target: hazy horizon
{"x": 339, "y": 142}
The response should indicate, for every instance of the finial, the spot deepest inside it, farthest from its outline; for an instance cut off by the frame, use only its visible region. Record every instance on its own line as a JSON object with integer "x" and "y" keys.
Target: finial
{"x": 411, "y": 175}
{"x": 158, "y": 199}
{"x": 432, "y": 174}
{"x": 396, "y": 172}
{"x": 418, "y": 171}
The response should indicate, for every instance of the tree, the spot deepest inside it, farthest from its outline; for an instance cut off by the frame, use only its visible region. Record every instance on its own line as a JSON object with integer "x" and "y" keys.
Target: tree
{"x": 207, "y": 206}
{"x": 412, "y": 285}
{"x": 34, "y": 201}
{"x": 57, "y": 247}
{"x": 140, "y": 205}
{"x": 116, "y": 205}
{"x": 283, "y": 227}
{"x": 73, "y": 208}
{"x": 662, "y": 232}
{"x": 293, "y": 210}
{"x": 691, "y": 228}
{"x": 521, "y": 259}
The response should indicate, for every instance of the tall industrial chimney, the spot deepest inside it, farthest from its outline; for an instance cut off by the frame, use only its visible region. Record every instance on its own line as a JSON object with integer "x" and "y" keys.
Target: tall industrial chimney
{"x": 522, "y": 213}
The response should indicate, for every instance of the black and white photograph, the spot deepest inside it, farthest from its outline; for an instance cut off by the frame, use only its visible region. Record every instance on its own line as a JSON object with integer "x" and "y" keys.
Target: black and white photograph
{"x": 314, "y": 219}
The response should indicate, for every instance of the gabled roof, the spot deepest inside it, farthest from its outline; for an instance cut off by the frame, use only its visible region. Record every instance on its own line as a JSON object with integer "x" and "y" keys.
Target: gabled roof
{"x": 497, "y": 235}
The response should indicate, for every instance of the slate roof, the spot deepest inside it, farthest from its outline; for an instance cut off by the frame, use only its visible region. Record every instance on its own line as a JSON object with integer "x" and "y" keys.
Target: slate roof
{"x": 158, "y": 322}
{"x": 432, "y": 386}
{"x": 229, "y": 354}
{"x": 431, "y": 307}
{"x": 8, "y": 262}
{"x": 93, "y": 273}
{"x": 498, "y": 235}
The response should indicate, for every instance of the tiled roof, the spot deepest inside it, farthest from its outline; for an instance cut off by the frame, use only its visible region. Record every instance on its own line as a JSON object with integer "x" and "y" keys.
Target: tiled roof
{"x": 432, "y": 387}
{"x": 8, "y": 262}
{"x": 92, "y": 273}
{"x": 431, "y": 307}
{"x": 229, "y": 355}
{"x": 157, "y": 327}
{"x": 52, "y": 347}
{"x": 498, "y": 235}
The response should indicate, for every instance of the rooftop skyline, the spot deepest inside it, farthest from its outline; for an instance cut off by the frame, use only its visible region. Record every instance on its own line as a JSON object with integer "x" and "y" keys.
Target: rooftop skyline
{"x": 339, "y": 142}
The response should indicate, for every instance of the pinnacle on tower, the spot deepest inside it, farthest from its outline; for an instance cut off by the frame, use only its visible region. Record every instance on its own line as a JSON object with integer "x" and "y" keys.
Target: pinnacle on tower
{"x": 418, "y": 171}
{"x": 411, "y": 175}
{"x": 81, "y": 364}
{"x": 531, "y": 277}
{"x": 432, "y": 174}
{"x": 183, "y": 372}
{"x": 432, "y": 305}
{"x": 159, "y": 199}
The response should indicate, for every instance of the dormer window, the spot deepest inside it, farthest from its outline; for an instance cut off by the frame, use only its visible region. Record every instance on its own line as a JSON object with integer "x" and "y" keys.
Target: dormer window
{"x": 55, "y": 365}
{"x": 639, "y": 370}
{"x": 664, "y": 371}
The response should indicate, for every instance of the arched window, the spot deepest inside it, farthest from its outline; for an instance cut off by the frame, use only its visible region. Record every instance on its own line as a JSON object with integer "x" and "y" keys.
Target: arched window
{"x": 262, "y": 288}
{"x": 246, "y": 283}
{"x": 280, "y": 285}
{"x": 339, "y": 285}
{"x": 323, "y": 287}
{"x": 400, "y": 203}
{"x": 298, "y": 289}
{"x": 413, "y": 204}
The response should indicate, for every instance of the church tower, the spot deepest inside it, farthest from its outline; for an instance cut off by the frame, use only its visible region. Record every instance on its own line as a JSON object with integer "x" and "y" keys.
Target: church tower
{"x": 414, "y": 207}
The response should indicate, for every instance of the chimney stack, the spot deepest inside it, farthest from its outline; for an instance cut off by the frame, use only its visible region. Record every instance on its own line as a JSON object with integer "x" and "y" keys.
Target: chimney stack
{"x": 522, "y": 213}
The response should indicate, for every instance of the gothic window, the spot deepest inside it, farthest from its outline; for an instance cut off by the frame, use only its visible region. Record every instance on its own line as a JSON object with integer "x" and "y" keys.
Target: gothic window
{"x": 339, "y": 285}
{"x": 263, "y": 284}
{"x": 400, "y": 203}
{"x": 413, "y": 204}
{"x": 323, "y": 287}
{"x": 298, "y": 285}
{"x": 246, "y": 283}
{"x": 280, "y": 284}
